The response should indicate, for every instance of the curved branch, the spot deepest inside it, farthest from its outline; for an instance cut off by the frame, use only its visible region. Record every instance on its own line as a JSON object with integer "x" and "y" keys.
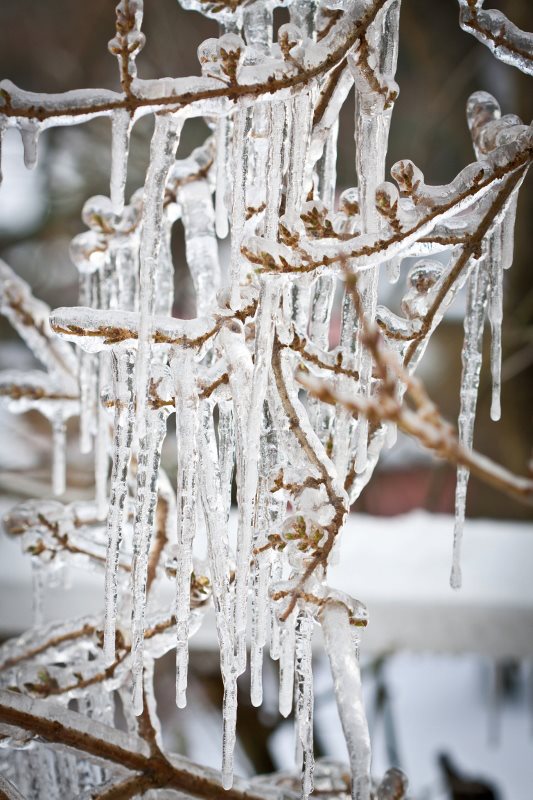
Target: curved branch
{"x": 504, "y": 39}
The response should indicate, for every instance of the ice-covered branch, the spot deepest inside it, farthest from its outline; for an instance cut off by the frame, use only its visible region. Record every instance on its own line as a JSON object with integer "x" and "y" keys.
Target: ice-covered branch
{"x": 499, "y": 34}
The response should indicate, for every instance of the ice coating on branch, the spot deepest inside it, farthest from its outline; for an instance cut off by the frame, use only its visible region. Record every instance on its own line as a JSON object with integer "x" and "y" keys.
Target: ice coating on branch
{"x": 471, "y": 359}
{"x": 504, "y": 39}
{"x": 128, "y": 40}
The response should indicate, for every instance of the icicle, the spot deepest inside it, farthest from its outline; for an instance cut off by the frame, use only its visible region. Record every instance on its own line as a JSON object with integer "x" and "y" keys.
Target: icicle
{"x": 201, "y": 248}
{"x": 122, "y": 368}
{"x": 347, "y": 682}
{"x": 274, "y": 173}
{"x": 149, "y": 457}
{"x": 229, "y": 735}
{"x": 320, "y": 317}
{"x": 120, "y": 144}
{"x": 304, "y": 697}
{"x": 276, "y": 571}
{"x": 471, "y": 358}
{"x": 258, "y": 27}
{"x": 264, "y": 518}
{"x": 221, "y": 212}
{"x": 372, "y": 123}
{"x": 300, "y": 136}
{"x": 101, "y": 454}
{"x": 241, "y": 127}
{"x": 163, "y": 147}
{"x": 187, "y": 408}
{"x": 495, "y": 314}
{"x": 87, "y": 382}
{"x": 218, "y": 551}
{"x": 59, "y": 464}
{"x": 265, "y": 323}
{"x": 259, "y": 629}
{"x": 226, "y": 452}
{"x": 507, "y": 232}
{"x": 328, "y": 168}
{"x": 286, "y": 665}
{"x": 29, "y": 133}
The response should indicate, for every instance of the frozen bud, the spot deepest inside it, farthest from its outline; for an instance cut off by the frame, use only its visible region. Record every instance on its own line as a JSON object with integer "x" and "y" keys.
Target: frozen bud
{"x": 420, "y": 281}
{"x": 407, "y": 176}
{"x": 387, "y": 197}
{"x": 88, "y": 251}
{"x": 231, "y": 51}
{"x": 393, "y": 786}
{"x": 98, "y": 214}
{"x": 289, "y": 38}
{"x": 499, "y": 132}
{"x": 349, "y": 201}
{"x": 316, "y": 221}
{"x": 208, "y": 54}
{"x": 33, "y": 514}
{"x": 481, "y": 108}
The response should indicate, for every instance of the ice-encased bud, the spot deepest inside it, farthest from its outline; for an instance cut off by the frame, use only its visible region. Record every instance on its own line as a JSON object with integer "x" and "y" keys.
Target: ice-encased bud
{"x": 393, "y": 786}
{"x": 231, "y": 51}
{"x": 420, "y": 280}
{"x": 33, "y": 514}
{"x": 290, "y": 37}
{"x": 208, "y": 54}
{"x": 98, "y": 214}
{"x": 481, "y": 108}
{"x": 387, "y": 196}
{"x": 499, "y": 132}
{"x": 88, "y": 251}
{"x": 407, "y": 175}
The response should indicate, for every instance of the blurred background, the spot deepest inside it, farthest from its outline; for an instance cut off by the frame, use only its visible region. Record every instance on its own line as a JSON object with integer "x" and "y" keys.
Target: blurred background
{"x": 458, "y": 696}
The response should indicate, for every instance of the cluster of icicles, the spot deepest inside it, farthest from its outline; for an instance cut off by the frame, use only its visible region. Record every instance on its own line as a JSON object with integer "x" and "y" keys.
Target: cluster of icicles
{"x": 268, "y": 175}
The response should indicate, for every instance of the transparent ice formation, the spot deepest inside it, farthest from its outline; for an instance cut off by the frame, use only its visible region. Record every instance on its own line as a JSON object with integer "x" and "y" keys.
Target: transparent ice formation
{"x": 301, "y": 256}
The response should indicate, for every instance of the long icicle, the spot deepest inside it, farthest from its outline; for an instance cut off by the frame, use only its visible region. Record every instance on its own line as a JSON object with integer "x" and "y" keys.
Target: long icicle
{"x": 187, "y": 406}
{"x": 163, "y": 147}
{"x": 304, "y": 698}
{"x": 471, "y": 358}
{"x": 265, "y": 323}
{"x": 495, "y": 315}
{"x": 123, "y": 396}
{"x": 218, "y": 551}
{"x": 148, "y": 460}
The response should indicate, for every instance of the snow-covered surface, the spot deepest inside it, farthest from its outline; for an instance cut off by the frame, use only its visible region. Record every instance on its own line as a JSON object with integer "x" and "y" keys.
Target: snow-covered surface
{"x": 397, "y": 566}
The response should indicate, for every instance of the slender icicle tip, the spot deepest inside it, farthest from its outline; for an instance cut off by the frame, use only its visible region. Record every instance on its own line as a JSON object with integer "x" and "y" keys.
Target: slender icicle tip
{"x": 456, "y": 577}
{"x": 495, "y": 407}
